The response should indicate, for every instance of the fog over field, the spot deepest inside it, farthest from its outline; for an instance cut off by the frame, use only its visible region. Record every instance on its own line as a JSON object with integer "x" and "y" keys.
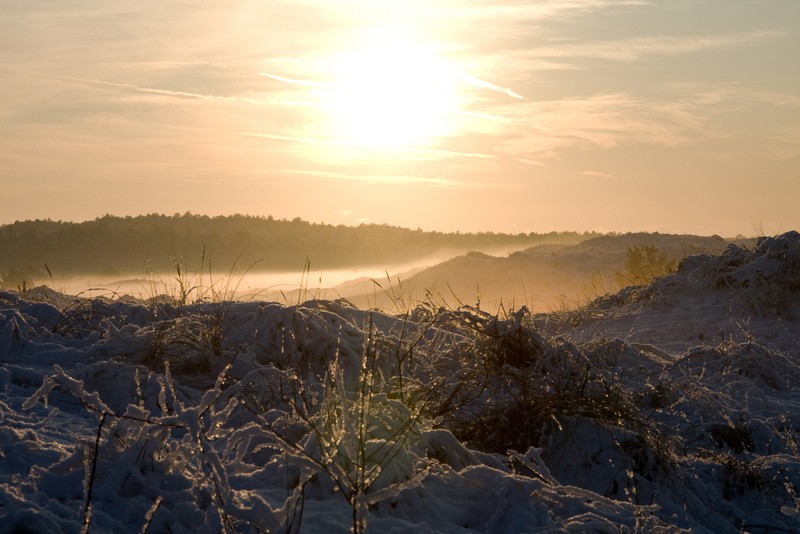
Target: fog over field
{"x": 281, "y": 286}
{"x": 545, "y": 277}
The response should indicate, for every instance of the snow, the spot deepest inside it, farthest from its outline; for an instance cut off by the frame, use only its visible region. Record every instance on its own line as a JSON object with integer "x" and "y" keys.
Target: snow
{"x": 665, "y": 408}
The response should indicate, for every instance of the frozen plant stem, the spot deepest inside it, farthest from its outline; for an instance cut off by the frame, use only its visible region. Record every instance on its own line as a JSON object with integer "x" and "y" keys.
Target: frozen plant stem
{"x": 87, "y": 510}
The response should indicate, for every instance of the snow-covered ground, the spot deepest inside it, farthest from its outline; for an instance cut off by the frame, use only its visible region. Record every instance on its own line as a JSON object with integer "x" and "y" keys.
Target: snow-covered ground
{"x": 670, "y": 407}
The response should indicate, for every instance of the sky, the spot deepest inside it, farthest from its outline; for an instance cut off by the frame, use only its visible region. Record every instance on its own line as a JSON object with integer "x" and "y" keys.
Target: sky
{"x": 675, "y": 116}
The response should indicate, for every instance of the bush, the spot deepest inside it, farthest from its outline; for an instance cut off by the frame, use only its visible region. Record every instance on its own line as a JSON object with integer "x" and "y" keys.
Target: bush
{"x": 645, "y": 263}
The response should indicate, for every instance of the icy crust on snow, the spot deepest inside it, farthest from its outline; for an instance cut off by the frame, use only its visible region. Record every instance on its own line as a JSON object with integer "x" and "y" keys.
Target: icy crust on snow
{"x": 253, "y": 416}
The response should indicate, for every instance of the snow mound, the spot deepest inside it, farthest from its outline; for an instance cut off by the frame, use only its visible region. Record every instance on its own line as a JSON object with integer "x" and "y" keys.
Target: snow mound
{"x": 766, "y": 280}
{"x": 737, "y": 296}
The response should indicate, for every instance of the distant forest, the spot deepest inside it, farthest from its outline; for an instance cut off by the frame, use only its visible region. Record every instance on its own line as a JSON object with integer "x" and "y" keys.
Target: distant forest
{"x": 113, "y": 246}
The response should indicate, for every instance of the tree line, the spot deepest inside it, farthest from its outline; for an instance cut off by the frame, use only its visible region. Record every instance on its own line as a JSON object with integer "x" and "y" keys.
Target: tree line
{"x": 31, "y": 250}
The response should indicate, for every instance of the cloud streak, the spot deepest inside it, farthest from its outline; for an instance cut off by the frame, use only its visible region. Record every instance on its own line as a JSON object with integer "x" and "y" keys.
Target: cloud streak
{"x": 416, "y": 153}
{"x": 293, "y": 81}
{"x": 547, "y": 129}
{"x": 598, "y": 174}
{"x": 150, "y": 90}
{"x": 477, "y": 82}
{"x": 398, "y": 179}
{"x": 628, "y": 50}
{"x": 375, "y": 178}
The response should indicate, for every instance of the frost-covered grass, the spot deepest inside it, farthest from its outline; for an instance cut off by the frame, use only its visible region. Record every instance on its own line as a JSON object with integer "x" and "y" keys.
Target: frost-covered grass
{"x": 222, "y": 416}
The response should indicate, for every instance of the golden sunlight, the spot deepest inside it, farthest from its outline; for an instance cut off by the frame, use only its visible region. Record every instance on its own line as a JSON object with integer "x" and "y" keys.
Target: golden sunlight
{"x": 390, "y": 94}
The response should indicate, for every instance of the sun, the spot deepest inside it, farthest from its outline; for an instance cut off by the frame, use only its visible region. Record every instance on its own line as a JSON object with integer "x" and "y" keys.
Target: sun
{"x": 391, "y": 94}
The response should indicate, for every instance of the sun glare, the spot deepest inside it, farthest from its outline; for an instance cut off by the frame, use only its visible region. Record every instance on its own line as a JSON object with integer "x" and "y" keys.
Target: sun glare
{"x": 392, "y": 95}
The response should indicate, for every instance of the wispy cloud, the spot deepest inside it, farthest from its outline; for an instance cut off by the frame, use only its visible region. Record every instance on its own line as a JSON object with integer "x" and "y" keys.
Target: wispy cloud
{"x": 477, "y": 82}
{"x": 375, "y": 179}
{"x": 627, "y": 50}
{"x": 545, "y": 128}
{"x": 150, "y": 90}
{"x": 465, "y": 9}
{"x": 293, "y": 81}
{"x": 530, "y": 10}
{"x": 414, "y": 153}
{"x": 392, "y": 179}
{"x": 435, "y": 154}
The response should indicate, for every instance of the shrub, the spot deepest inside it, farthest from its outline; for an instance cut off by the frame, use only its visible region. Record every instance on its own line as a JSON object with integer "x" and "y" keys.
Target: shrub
{"x": 645, "y": 263}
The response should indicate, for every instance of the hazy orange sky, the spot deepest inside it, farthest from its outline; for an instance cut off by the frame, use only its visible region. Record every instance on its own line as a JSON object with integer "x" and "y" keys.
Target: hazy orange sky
{"x": 675, "y": 116}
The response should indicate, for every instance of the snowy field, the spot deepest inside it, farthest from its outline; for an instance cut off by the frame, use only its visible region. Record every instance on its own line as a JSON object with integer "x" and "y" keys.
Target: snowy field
{"x": 665, "y": 408}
